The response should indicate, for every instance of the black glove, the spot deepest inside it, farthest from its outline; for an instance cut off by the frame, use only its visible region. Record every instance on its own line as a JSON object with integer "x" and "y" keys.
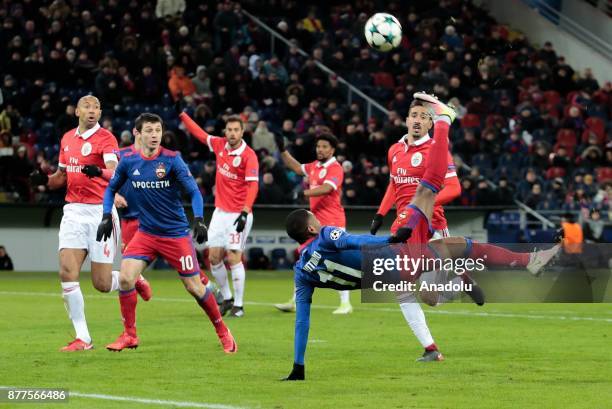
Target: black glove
{"x": 91, "y": 171}
{"x": 240, "y": 221}
{"x": 37, "y": 178}
{"x": 297, "y": 374}
{"x": 401, "y": 235}
{"x": 105, "y": 228}
{"x": 200, "y": 232}
{"x": 280, "y": 142}
{"x": 377, "y": 221}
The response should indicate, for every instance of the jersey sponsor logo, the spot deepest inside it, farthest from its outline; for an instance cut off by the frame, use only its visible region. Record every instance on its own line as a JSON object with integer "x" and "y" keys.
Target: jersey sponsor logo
{"x": 86, "y": 149}
{"x": 136, "y": 173}
{"x": 410, "y": 180}
{"x": 160, "y": 171}
{"x": 322, "y": 173}
{"x": 236, "y": 161}
{"x": 335, "y": 234}
{"x": 416, "y": 159}
{"x": 151, "y": 184}
{"x": 224, "y": 170}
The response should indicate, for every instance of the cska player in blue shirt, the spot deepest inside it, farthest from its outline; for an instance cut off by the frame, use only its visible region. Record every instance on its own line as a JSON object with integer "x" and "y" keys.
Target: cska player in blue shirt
{"x": 157, "y": 176}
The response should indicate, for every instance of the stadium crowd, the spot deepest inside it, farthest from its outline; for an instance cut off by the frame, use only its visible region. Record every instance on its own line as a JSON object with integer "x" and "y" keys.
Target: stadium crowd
{"x": 528, "y": 121}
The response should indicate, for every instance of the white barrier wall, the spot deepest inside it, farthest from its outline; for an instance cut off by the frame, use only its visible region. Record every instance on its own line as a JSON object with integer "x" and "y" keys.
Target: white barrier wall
{"x": 579, "y": 55}
{"x": 35, "y": 249}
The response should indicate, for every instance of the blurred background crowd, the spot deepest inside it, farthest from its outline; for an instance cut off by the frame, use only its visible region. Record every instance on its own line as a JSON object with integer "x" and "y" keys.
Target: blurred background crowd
{"x": 530, "y": 127}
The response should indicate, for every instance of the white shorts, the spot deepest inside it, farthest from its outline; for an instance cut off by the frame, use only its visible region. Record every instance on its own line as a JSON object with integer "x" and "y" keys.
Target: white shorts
{"x": 222, "y": 230}
{"x": 439, "y": 234}
{"x": 79, "y": 228}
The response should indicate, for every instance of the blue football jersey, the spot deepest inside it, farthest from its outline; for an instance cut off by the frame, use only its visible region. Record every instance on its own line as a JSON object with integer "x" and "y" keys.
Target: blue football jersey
{"x": 127, "y": 191}
{"x": 157, "y": 184}
{"x": 330, "y": 260}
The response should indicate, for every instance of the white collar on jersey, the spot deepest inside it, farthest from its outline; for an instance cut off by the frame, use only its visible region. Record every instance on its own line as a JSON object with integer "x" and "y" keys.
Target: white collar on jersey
{"x": 418, "y": 142}
{"x": 326, "y": 164}
{"x": 238, "y": 151}
{"x": 88, "y": 132}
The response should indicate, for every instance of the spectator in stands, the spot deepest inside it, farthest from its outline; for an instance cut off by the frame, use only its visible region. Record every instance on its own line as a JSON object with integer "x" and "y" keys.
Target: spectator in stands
{"x": 5, "y": 260}
{"x": 179, "y": 84}
{"x": 524, "y": 188}
{"x": 269, "y": 192}
{"x": 594, "y": 227}
{"x": 504, "y": 194}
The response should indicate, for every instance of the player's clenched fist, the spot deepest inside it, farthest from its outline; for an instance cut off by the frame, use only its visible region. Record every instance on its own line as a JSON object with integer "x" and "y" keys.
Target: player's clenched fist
{"x": 297, "y": 374}
{"x": 105, "y": 228}
{"x": 92, "y": 171}
{"x": 37, "y": 178}
{"x": 401, "y": 235}
{"x": 376, "y": 223}
{"x": 200, "y": 232}
{"x": 240, "y": 221}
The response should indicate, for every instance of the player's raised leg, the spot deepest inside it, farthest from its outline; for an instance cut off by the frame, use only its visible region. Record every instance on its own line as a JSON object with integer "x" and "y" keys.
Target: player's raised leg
{"x": 71, "y": 261}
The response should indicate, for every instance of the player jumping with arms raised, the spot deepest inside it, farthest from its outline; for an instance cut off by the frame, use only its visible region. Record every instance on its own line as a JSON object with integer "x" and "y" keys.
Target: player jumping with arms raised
{"x": 88, "y": 148}
{"x": 157, "y": 176}
{"x": 236, "y": 186}
{"x": 331, "y": 257}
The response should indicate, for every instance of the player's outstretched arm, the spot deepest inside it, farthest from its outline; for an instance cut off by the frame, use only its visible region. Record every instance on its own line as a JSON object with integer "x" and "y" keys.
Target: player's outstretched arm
{"x": 288, "y": 160}
{"x": 303, "y": 295}
{"x": 194, "y": 129}
{"x": 340, "y": 240}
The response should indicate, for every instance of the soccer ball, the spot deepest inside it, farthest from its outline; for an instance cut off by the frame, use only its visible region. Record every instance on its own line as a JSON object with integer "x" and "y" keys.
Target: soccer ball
{"x": 383, "y": 32}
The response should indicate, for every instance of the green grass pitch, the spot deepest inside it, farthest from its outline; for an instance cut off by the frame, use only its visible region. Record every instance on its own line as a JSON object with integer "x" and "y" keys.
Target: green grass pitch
{"x": 497, "y": 356}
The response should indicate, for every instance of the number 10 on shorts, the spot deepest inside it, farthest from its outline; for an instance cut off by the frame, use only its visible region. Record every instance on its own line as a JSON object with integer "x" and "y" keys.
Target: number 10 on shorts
{"x": 186, "y": 263}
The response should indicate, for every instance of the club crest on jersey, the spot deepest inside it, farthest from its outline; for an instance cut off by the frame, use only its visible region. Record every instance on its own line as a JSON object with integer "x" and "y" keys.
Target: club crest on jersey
{"x": 416, "y": 159}
{"x": 160, "y": 171}
{"x": 86, "y": 149}
{"x": 236, "y": 161}
{"x": 322, "y": 173}
{"x": 335, "y": 234}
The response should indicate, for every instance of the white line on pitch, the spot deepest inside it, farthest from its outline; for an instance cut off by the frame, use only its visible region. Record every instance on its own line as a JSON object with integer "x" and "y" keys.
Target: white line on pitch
{"x": 178, "y": 404}
{"x": 374, "y": 309}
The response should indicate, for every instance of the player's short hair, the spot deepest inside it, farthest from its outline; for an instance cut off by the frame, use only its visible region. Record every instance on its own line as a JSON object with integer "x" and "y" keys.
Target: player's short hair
{"x": 235, "y": 118}
{"x": 333, "y": 141}
{"x": 297, "y": 225}
{"x": 147, "y": 117}
{"x": 419, "y": 103}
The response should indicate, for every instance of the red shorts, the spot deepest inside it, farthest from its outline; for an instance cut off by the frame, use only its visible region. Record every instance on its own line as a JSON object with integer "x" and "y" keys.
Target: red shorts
{"x": 177, "y": 251}
{"x": 129, "y": 227}
{"x": 414, "y": 218}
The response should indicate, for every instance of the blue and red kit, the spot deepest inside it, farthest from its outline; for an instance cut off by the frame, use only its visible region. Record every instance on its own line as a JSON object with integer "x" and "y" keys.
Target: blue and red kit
{"x": 157, "y": 184}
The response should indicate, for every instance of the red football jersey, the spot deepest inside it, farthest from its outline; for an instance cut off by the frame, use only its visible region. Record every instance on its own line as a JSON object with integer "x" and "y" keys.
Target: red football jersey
{"x": 234, "y": 168}
{"x": 94, "y": 147}
{"x": 407, "y": 165}
{"x": 326, "y": 208}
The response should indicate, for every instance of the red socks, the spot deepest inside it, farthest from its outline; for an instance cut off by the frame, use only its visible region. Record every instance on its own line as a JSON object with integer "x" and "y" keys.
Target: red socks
{"x": 431, "y": 347}
{"x": 128, "y": 300}
{"x": 210, "y": 307}
{"x": 437, "y": 162}
{"x": 494, "y": 255}
{"x": 203, "y": 278}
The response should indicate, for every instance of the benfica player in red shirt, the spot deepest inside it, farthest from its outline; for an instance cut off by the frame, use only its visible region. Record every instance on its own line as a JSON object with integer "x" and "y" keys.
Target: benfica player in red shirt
{"x": 86, "y": 151}
{"x": 236, "y": 185}
{"x": 325, "y": 176}
{"x": 407, "y": 160}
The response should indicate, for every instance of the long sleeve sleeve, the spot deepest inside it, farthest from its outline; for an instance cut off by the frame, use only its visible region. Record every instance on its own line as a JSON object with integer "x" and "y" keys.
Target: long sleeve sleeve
{"x": 388, "y": 200}
{"x": 113, "y": 187}
{"x": 302, "y": 321}
{"x": 194, "y": 129}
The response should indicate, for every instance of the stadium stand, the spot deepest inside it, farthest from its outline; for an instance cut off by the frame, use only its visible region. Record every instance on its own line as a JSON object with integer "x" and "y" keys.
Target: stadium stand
{"x": 523, "y": 109}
